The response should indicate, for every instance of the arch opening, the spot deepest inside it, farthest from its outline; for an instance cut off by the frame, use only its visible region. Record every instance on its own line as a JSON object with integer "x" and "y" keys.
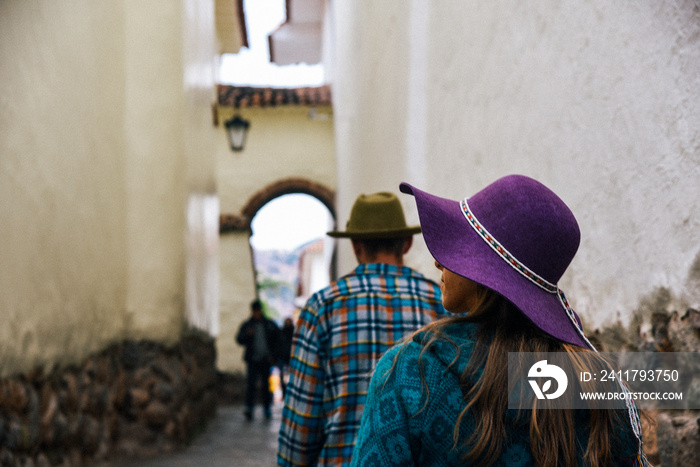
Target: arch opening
{"x": 292, "y": 255}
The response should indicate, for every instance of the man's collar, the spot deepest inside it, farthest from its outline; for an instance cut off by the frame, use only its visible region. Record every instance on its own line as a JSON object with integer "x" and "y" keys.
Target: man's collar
{"x": 384, "y": 268}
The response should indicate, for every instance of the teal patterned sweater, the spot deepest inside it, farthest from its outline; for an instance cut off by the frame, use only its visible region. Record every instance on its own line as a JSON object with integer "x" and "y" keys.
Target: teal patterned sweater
{"x": 401, "y": 426}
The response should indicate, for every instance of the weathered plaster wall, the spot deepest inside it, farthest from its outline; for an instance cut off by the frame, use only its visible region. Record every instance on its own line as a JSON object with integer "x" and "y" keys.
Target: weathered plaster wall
{"x": 282, "y": 143}
{"x": 596, "y": 99}
{"x": 105, "y": 134}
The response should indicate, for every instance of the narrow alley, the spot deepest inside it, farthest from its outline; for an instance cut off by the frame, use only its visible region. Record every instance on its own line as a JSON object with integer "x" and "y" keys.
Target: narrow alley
{"x": 229, "y": 441}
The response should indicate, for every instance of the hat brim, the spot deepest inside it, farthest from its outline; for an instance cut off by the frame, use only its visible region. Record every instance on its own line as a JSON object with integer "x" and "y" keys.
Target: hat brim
{"x": 363, "y": 234}
{"x": 456, "y": 246}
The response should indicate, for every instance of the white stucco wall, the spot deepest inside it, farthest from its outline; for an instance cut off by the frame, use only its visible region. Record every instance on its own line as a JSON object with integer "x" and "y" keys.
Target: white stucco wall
{"x": 106, "y": 133}
{"x": 283, "y": 142}
{"x": 597, "y": 99}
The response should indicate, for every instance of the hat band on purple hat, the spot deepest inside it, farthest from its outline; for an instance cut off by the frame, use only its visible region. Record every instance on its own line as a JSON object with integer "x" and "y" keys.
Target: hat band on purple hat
{"x": 550, "y": 288}
{"x": 521, "y": 268}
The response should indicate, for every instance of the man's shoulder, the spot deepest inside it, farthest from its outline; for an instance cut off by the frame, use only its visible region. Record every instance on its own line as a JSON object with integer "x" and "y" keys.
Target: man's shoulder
{"x": 410, "y": 272}
{"x": 372, "y": 278}
{"x": 337, "y": 291}
{"x": 362, "y": 280}
{"x": 329, "y": 294}
{"x": 401, "y": 273}
{"x": 419, "y": 284}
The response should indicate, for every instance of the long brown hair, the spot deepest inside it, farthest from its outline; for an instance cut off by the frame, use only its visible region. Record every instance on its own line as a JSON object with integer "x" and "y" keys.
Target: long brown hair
{"x": 552, "y": 432}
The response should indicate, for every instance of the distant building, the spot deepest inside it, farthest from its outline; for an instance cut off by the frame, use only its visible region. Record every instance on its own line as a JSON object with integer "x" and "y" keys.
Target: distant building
{"x": 314, "y": 269}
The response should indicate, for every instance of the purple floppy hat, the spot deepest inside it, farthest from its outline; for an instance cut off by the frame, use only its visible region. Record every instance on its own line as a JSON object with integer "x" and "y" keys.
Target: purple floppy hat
{"x": 515, "y": 237}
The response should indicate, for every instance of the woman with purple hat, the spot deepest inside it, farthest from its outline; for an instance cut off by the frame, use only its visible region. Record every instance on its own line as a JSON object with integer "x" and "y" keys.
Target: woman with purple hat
{"x": 441, "y": 397}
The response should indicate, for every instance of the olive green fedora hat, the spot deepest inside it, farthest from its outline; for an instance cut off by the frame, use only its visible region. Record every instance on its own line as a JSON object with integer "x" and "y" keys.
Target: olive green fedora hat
{"x": 378, "y": 215}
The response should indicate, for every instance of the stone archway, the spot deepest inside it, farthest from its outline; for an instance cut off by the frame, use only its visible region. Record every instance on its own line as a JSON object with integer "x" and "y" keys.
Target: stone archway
{"x": 241, "y": 222}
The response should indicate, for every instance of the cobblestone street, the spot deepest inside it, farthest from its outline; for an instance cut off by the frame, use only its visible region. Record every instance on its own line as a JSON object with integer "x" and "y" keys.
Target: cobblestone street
{"x": 229, "y": 441}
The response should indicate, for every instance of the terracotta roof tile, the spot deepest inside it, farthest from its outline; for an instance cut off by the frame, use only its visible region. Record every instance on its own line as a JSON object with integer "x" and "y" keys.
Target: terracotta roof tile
{"x": 246, "y": 96}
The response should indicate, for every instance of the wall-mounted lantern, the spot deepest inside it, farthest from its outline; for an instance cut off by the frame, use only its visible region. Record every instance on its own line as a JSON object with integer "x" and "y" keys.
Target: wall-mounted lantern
{"x": 237, "y": 129}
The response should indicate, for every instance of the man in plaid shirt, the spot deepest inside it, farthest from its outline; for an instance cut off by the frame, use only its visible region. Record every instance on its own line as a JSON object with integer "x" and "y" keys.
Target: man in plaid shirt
{"x": 345, "y": 328}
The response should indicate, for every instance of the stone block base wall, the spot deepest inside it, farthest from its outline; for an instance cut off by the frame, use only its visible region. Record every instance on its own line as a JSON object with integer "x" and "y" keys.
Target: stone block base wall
{"x": 134, "y": 399}
{"x": 671, "y": 437}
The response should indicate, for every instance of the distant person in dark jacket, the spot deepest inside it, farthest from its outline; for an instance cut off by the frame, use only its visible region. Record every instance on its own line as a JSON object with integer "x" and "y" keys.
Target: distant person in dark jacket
{"x": 261, "y": 338}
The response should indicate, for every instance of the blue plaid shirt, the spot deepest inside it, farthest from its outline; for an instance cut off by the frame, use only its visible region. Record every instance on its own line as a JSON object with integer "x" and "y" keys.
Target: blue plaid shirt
{"x": 342, "y": 332}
